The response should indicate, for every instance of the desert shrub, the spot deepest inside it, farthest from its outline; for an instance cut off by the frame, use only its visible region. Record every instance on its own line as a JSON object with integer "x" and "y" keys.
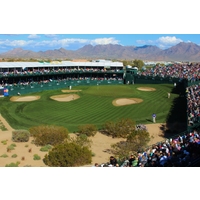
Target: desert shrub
{"x": 4, "y": 142}
{"x": 26, "y": 145}
{"x": 82, "y": 140}
{"x": 46, "y": 148}
{"x": 136, "y": 141}
{"x": 121, "y": 128}
{"x": 2, "y": 127}
{"x": 14, "y": 156}
{"x": 68, "y": 155}
{"x": 12, "y": 164}
{"x": 10, "y": 147}
{"x": 20, "y": 135}
{"x": 36, "y": 157}
{"x": 48, "y": 134}
{"x": 4, "y": 155}
{"x": 88, "y": 129}
{"x": 13, "y": 145}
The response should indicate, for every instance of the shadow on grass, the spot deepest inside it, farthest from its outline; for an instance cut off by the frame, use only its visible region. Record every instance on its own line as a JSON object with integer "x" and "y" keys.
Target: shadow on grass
{"x": 148, "y": 120}
{"x": 176, "y": 121}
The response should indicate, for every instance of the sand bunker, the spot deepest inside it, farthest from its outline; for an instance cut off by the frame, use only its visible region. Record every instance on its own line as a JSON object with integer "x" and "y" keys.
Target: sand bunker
{"x": 70, "y": 90}
{"x": 126, "y": 101}
{"x": 65, "y": 97}
{"x": 146, "y": 89}
{"x": 25, "y": 98}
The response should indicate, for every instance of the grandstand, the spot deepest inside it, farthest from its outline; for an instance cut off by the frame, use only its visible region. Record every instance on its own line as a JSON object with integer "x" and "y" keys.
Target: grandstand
{"x": 25, "y": 73}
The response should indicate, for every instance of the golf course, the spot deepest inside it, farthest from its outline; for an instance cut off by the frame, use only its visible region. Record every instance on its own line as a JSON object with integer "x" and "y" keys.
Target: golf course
{"x": 89, "y": 105}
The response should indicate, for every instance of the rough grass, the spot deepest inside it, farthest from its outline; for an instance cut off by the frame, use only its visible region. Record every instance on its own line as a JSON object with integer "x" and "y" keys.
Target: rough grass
{"x": 93, "y": 107}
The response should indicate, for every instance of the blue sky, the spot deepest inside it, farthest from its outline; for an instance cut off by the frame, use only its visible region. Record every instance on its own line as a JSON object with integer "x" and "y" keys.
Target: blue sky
{"x": 42, "y": 42}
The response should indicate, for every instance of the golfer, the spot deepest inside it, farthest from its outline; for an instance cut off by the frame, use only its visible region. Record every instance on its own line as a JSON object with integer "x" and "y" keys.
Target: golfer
{"x": 154, "y": 117}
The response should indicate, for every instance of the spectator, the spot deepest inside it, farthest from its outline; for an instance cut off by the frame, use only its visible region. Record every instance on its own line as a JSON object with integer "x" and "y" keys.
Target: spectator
{"x": 113, "y": 160}
{"x": 132, "y": 158}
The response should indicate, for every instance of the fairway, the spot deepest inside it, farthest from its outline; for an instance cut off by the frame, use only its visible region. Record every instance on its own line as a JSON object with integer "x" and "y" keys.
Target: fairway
{"x": 94, "y": 106}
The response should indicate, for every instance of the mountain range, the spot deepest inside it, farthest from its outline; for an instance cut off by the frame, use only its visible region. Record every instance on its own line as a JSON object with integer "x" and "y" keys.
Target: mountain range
{"x": 180, "y": 52}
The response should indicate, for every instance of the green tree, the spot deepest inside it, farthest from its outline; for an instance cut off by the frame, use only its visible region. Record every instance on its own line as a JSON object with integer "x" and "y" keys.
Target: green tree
{"x": 88, "y": 129}
{"x": 121, "y": 128}
{"x": 68, "y": 155}
{"x": 138, "y": 63}
{"x": 157, "y": 64}
{"x": 135, "y": 141}
{"x": 127, "y": 62}
{"x": 48, "y": 134}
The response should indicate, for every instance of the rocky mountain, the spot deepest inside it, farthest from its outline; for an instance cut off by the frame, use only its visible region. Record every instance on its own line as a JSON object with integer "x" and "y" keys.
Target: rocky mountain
{"x": 183, "y": 51}
{"x": 180, "y": 52}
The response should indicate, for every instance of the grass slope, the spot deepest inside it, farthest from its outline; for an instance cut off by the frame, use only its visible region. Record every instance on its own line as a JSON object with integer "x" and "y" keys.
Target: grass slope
{"x": 94, "y": 107}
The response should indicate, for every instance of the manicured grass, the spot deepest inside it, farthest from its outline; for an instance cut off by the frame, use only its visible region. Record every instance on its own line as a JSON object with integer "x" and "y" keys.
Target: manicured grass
{"x": 94, "y": 107}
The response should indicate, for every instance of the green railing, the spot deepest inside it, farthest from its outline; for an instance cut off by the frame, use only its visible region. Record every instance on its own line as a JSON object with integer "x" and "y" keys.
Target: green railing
{"x": 190, "y": 83}
{"x": 53, "y": 85}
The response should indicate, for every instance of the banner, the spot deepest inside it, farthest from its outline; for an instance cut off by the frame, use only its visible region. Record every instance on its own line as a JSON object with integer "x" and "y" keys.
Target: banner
{"x": 5, "y": 92}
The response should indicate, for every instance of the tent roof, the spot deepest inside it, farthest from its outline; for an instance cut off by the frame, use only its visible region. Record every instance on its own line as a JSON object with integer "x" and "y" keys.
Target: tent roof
{"x": 60, "y": 64}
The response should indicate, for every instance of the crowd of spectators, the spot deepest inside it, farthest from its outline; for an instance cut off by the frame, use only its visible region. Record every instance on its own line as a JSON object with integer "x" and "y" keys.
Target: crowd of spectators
{"x": 191, "y": 71}
{"x": 193, "y": 104}
{"x": 57, "y": 80}
{"x": 43, "y": 71}
{"x": 180, "y": 151}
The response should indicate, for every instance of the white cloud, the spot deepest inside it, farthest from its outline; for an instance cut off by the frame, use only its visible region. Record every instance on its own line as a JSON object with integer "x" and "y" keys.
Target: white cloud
{"x": 61, "y": 43}
{"x": 161, "y": 46}
{"x": 33, "y": 36}
{"x": 67, "y": 41}
{"x": 104, "y": 41}
{"x": 169, "y": 40}
{"x": 16, "y": 43}
{"x": 141, "y": 42}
